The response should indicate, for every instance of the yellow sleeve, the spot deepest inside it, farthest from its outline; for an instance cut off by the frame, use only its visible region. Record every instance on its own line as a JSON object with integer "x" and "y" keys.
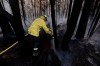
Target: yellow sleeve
{"x": 45, "y": 28}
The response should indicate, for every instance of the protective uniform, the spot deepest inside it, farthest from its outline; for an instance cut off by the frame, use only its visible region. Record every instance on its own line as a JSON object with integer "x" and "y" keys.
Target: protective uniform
{"x": 36, "y": 27}
{"x": 34, "y": 31}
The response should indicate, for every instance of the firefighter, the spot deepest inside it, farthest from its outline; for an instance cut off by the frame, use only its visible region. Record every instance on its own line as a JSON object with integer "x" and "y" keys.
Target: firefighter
{"x": 34, "y": 30}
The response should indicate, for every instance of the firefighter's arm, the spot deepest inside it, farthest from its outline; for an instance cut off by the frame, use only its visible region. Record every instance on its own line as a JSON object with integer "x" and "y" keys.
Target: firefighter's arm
{"x": 46, "y": 29}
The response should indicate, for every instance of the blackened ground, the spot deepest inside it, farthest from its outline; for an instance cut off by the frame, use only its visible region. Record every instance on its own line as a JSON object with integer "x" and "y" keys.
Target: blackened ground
{"x": 81, "y": 53}
{"x": 13, "y": 57}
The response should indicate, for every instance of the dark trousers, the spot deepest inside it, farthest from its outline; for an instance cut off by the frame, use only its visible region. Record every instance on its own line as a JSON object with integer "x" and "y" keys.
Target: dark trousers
{"x": 34, "y": 41}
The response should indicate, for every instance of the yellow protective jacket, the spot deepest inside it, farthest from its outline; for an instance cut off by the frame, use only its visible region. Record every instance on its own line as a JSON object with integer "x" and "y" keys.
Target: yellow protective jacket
{"x": 36, "y": 26}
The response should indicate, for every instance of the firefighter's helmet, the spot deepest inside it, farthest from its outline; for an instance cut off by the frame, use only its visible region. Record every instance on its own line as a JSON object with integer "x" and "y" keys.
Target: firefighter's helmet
{"x": 44, "y": 17}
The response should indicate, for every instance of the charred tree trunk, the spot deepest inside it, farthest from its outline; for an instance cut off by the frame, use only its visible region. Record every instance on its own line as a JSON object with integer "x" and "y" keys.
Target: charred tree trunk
{"x": 95, "y": 6}
{"x": 23, "y": 10}
{"x": 4, "y": 22}
{"x": 5, "y": 14}
{"x": 17, "y": 23}
{"x": 18, "y": 28}
{"x": 84, "y": 19}
{"x": 5, "y": 26}
{"x": 2, "y": 4}
{"x": 72, "y": 23}
{"x": 69, "y": 11}
{"x": 32, "y": 8}
{"x": 54, "y": 23}
{"x": 40, "y": 8}
{"x": 95, "y": 15}
{"x": 95, "y": 22}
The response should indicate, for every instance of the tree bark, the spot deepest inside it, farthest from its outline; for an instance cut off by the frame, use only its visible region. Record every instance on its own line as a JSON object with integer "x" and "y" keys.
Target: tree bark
{"x": 25, "y": 50}
{"x": 84, "y": 19}
{"x": 94, "y": 15}
{"x": 95, "y": 22}
{"x": 23, "y": 10}
{"x": 71, "y": 23}
{"x": 4, "y": 22}
{"x": 54, "y": 22}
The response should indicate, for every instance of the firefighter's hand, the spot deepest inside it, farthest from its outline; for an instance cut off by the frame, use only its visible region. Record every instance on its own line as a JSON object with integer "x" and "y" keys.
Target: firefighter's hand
{"x": 51, "y": 32}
